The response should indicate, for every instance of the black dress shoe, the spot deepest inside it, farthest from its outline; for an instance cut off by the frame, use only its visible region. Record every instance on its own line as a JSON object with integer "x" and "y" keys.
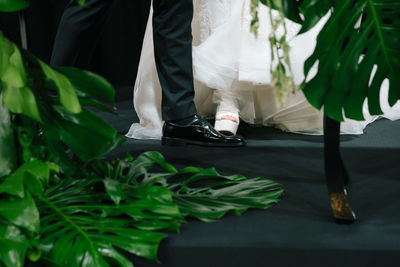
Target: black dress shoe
{"x": 197, "y": 132}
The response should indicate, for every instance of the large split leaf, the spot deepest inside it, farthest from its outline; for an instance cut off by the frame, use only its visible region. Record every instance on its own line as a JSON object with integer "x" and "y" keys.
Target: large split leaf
{"x": 200, "y": 193}
{"x": 81, "y": 228}
{"x": 348, "y": 52}
{"x": 217, "y": 194}
{"x": 12, "y": 5}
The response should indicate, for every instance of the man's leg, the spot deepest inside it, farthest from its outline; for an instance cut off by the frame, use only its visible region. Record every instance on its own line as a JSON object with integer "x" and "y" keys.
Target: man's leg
{"x": 173, "y": 54}
{"x": 78, "y": 32}
{"x": 172, "y": 36}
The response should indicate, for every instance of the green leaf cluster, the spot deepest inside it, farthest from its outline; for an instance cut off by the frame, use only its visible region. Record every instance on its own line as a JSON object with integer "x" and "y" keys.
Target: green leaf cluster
{"x": 45, "y": 100}
{"x": 123, "y": 205}
{"x": 12, "y": 5}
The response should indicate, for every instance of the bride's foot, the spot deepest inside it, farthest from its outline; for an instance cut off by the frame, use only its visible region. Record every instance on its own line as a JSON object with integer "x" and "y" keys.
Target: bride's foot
{"x": 226, "y": 122}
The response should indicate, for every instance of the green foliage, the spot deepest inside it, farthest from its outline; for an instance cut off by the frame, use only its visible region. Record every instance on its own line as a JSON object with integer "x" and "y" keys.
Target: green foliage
{"x": 81, "y": 2}
{"x": 280, "y": 66}
{"x": 222, "y": 194}
{"x": 64, "y": 87}
{"x": 12, "y": 5}
{"x": 56, "y": 111}
{"x": 313, "y": 11}
{"x": 288, "y": 7}
{"x": 19, "y": 215}
{"x": 121, "y": 204}
{"x": 78, "y": 220}
{"x": 18, "y": 97}
{"x": 13, "y": 245}
{"x": 88, "y": 85}
{"x": 8, "y": 155}
{"x": 347, "y": 53}
{"x": 200, "y": 193}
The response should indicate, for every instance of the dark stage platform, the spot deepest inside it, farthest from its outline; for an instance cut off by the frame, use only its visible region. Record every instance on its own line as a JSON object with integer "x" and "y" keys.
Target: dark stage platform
{"x": 299, "y": 231}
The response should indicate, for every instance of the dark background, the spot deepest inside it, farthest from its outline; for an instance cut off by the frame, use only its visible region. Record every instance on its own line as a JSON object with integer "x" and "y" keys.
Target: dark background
{"x": 117, "y": 54}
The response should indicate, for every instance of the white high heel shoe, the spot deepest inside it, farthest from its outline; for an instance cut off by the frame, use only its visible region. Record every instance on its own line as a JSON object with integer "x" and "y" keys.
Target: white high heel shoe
{"x": 227, "y": 115}
{"x": 226, "y": 122}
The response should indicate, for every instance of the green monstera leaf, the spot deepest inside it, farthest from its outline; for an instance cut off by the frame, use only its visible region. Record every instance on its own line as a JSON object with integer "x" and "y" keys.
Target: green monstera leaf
{"x": 200, "y": 193}
{"x": 358, "y": 48}
{"x": 80, "y": 227}
{"x": 208, "y": 195}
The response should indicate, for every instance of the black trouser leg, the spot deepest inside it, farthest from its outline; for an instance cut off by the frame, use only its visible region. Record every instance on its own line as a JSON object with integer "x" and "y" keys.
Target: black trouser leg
{"x": 78, "y": 33}
{"x": 173, "y": 55}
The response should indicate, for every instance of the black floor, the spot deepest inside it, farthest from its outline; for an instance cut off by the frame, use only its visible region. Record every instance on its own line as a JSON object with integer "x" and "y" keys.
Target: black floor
{"x": 299, "y": 231}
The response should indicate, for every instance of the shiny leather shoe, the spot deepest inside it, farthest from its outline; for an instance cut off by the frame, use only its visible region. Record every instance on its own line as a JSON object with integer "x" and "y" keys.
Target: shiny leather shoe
{"x": 197, "y": 132}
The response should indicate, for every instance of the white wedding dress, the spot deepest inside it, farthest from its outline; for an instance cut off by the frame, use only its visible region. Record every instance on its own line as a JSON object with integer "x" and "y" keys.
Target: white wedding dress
{"x": 229, "y": 60}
